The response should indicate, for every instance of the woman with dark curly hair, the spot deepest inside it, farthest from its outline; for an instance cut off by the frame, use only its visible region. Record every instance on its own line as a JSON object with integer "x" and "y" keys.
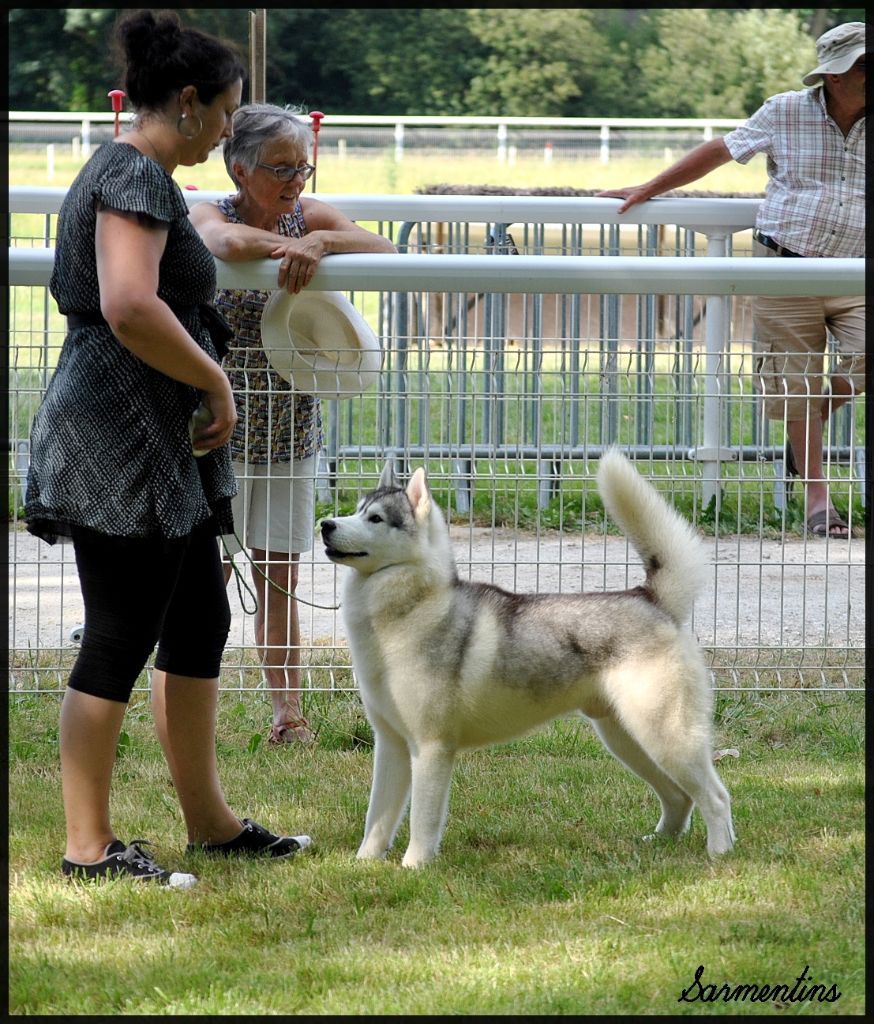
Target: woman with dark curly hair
{"x": 113, "y": 452}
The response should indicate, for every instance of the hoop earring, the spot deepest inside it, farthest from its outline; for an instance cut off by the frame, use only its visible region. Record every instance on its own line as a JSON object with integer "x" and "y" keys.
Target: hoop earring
{"x": 189, "y": 135}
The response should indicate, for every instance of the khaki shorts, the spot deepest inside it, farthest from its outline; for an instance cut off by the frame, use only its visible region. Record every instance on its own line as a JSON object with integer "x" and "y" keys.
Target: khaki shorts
{"x": 792, "y": 337}
{"x": 274, "y": 508}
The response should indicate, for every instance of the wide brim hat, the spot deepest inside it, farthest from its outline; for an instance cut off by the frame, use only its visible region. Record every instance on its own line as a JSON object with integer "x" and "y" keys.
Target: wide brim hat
{"x": 837, "y": 51}
{"x": 320, "y": 343}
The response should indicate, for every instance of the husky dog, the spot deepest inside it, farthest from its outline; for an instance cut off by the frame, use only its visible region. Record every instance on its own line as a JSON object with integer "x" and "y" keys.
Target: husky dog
{"x": 446, "y": 665}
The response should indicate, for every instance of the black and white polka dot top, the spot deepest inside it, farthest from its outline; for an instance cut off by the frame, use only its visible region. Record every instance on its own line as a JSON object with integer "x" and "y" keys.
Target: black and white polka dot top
{"x": 109, "y": 448}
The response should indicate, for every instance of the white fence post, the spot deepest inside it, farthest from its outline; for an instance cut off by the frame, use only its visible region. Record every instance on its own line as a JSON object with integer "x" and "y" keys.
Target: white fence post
{"x": 712, "y": 453}
{"x": 502, "y": 143}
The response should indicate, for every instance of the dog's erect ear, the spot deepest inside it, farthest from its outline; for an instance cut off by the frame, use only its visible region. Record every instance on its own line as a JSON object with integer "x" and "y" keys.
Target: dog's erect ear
{"x": 388, "y": 478}
{"x": 419, "y": 495}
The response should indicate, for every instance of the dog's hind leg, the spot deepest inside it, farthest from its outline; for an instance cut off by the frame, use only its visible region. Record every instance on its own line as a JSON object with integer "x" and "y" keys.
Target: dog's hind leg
{"x": 389, "y": 792}
{"x": 666, "y": 705}
{"x": 676, "y": 803}
{"x": 699, "y": 778}
{"x": 677, "y": 742}
{"x": 432, "y": 778}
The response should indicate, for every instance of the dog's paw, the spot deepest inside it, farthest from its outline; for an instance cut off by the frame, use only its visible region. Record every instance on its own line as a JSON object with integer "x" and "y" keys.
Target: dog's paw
{"x": 418, "y": 858}
{"x": 413, "y": 864}
{"x": 721, "y": 841}
{"x": 366, "y": 853}
{"x": 659, "y": 837}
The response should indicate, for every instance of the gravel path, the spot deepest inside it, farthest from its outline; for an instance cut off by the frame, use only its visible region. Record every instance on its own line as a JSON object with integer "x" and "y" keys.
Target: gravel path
{"x": 793, "y": 592}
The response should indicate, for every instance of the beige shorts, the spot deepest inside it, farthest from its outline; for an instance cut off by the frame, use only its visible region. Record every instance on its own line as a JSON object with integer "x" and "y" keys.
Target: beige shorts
{"x": 274, "y": 508}
{"x": 792, "y": 340}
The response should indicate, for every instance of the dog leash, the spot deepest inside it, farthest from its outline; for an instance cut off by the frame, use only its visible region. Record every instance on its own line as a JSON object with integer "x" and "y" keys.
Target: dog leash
{"x": 242, "y": 582}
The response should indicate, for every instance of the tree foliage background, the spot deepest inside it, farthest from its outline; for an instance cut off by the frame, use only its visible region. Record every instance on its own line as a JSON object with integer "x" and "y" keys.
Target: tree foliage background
{"x": 536, "y": 62}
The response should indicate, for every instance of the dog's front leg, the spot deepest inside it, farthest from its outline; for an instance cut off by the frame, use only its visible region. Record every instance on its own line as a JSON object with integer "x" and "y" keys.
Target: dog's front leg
{"x": 432, "y": 777}
{"x": 388, "y": 793}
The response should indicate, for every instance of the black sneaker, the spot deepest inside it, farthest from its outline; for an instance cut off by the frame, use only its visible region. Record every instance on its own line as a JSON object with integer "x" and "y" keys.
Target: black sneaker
{"x": 131, "y": 861}
{"x": 254, "y": 841}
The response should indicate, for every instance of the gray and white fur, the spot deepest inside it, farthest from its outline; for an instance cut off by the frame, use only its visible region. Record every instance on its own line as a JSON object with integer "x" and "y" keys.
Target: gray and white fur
{"x": 446, "y": 665}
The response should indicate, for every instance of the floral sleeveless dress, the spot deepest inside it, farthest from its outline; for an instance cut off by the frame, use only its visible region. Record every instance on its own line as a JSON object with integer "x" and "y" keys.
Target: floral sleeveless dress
{"x": 276, "y": 423}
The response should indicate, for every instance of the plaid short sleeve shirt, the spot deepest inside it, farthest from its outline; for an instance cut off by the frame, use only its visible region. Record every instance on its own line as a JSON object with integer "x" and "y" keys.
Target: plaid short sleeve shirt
{"x": 815, "y": 197}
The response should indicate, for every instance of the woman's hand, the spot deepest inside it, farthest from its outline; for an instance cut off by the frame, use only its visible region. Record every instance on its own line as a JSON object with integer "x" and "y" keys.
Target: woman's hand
{"x": 219, "y": 404}
{"x": 300, "y": 257}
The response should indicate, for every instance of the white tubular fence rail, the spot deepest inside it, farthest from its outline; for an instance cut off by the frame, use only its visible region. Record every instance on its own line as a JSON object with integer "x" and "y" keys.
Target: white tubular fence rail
{"x": 487, "y": 408}
{"x": 503, "y": 134}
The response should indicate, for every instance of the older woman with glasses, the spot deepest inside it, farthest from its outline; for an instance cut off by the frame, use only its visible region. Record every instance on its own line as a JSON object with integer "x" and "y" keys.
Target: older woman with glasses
{"x": 279, "y": 431}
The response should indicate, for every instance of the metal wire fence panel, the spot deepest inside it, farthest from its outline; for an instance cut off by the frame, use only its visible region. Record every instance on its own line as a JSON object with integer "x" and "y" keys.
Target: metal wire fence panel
{"x": 508, "y": 400}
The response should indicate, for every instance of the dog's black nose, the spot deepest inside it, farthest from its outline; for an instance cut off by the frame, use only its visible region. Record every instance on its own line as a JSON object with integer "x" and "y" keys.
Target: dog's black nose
{"x": 328, "y": 527}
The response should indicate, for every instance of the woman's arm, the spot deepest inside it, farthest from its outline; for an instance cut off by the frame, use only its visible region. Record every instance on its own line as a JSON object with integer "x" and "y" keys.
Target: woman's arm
{"x": 328, "y": 231}
{"x": 128, "y": 258}
{"x": 338, "y": 233}
{"x": 231, "y": 241}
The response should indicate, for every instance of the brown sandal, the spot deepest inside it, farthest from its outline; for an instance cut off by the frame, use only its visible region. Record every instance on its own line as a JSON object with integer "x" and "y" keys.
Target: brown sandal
{"x": 828, "y": 523}
{"x": 294, "y": 730}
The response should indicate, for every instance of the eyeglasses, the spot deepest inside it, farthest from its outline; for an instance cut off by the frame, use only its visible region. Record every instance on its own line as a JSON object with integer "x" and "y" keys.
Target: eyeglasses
{"x": 285, "y": 173}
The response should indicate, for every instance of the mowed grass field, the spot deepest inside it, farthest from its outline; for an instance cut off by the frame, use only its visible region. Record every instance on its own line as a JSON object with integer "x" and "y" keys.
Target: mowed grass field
{"x": 544, "y": 900}
{"x": 380, "y": 173}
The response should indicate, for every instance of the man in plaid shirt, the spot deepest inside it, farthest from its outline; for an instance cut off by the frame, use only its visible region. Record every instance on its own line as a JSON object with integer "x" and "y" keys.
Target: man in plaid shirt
{"x": 814, "y": 205}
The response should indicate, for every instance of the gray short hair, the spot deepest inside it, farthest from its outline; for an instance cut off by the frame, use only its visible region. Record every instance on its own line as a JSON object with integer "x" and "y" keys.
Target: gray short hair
{"x": 257, "y": 124}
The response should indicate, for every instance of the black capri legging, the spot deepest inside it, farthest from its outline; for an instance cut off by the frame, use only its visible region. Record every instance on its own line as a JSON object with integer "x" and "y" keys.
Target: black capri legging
{"x": 147, "y": 591}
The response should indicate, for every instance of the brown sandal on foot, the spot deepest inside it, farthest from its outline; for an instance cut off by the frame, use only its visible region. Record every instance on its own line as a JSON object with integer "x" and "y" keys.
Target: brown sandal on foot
{"x": 828, "y": 522}
{"x": 294, "y": 730}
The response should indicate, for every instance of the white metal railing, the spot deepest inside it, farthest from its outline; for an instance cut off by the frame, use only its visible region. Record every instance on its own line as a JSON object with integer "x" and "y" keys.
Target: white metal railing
{"x": 718, "y": 215}
{"x": 399, "y": 122}
{"x": 716, "y": 275}
{"x": 572, "y": 275}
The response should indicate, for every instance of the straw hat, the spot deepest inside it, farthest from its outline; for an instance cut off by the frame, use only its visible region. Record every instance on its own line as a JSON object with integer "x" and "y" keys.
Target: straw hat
{"x": 320, "y": 343}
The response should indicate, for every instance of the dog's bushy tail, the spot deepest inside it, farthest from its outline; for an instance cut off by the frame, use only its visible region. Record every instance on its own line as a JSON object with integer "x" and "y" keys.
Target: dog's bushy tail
{"x": 673, "y": 554}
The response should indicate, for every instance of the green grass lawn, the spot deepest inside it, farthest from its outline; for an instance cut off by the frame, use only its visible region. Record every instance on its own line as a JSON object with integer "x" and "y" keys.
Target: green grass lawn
{"x": 380, "y": 173}
{"x": 543, "y": 901}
